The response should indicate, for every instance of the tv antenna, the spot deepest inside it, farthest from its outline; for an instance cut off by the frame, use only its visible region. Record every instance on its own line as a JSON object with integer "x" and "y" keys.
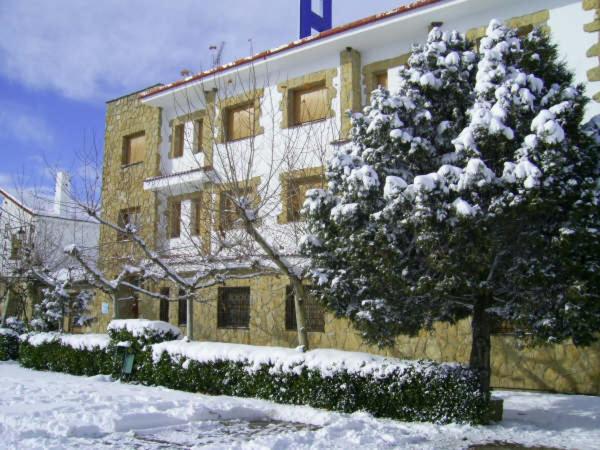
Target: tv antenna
{"x": 217, "y": 53}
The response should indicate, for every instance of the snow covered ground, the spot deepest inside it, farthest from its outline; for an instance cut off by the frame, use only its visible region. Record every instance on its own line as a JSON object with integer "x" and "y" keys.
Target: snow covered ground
{"x": 56, "y": 411}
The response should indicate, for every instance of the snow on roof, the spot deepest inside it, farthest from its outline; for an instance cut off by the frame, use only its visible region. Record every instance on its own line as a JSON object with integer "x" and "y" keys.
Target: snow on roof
{"x": 297, "y": 43}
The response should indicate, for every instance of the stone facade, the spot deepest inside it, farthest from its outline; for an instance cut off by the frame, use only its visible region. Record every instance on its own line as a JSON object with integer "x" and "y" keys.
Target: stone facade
{"x": 560, "y": 368}
{"x": 351, "y": 98}
{"x": 123, "y": 186}
{"x": 593, "y": 51}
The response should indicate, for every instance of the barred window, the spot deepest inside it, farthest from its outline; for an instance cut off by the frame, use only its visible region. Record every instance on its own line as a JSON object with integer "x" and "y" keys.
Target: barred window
{"x": 164, "y": 305}
{"x": 315, "y": 316}
{"x": 127, "y": 302}
{"x": 234, "y": 308}
{"x": 182, "y": 309}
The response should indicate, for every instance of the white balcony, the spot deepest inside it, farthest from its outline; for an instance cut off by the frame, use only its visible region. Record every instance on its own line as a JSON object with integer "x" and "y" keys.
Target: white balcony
{"x": 179, "y": 183}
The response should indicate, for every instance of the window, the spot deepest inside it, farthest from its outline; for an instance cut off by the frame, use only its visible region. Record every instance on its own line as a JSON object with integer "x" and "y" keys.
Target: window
{"x": 178, "y": 140}
{"x": 228, "y": 211}
{"x": 129, "y": 216}
{"x": 381, "y": 79}
{"x": 182, "y": 309}
{"x": 310, "y": 104}
{"x": 296, "y": 192}
{"x": 197, "y": 219}
{"x": 315, "y": 317}
{"x": 134, "y": 148}
{"x": 15, "y": 246}
{"x": 198, "y": 135}
{"x": 164, "y": 305}
{"x": 174, "y": 219}
{"x": 127, "y": 302}
{"x": 233, "y": 308}
{"x": 240, "y": 122}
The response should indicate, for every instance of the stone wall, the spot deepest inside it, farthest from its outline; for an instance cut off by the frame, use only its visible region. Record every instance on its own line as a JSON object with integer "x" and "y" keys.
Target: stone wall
{"x": 561, "y": 368}
{"x": 122, "y": 188}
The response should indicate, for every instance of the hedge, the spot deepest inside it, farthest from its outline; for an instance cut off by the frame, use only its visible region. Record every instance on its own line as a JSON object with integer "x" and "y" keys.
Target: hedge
{"x": 408, "y": 391}
{"x": 73, "y": 354}
{"x": 9, "y": 344}
{"x": 402, "y": 390}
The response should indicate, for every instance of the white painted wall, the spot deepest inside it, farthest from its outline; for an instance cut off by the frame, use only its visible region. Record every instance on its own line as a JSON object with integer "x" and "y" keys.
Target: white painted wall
{"x": 383, "y": 40}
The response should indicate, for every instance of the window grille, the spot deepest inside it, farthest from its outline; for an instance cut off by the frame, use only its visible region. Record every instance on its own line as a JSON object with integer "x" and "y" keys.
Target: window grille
{"x": 182, "y": 309}
{"x": 164, "y": 305}
{"x": 234, "y": 308}
{"x": 315, "y": 316}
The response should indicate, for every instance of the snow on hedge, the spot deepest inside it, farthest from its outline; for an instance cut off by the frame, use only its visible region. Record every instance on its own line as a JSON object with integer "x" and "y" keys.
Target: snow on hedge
{"x": 75, "y": 341}
{"x": 143, "y": 327}
{"x": 326, "y": 361}
{"x": 7, "y": 332}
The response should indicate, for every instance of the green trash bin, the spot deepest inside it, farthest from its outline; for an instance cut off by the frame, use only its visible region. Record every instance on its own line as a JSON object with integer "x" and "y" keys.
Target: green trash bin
{"x": 127, "y": 357}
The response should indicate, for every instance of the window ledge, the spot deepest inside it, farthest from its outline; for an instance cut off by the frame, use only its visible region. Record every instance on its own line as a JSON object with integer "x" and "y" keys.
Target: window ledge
{"x": 127, "y": 166}
{"x": 310, "y": 122}
{"x": 231, "y": 141}
{"x": 234, "y": 328}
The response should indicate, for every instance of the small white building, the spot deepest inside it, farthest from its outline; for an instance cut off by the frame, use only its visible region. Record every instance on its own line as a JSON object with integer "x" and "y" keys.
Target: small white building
{"x": 37, "y": 234}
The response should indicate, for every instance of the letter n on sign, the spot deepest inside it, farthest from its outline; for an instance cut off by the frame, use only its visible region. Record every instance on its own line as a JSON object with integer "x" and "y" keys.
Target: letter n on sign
{"x": 319, "y": 18}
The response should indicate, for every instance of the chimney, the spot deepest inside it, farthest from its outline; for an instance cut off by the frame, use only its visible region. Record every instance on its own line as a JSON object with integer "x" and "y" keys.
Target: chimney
{"x": 61, "y": 193}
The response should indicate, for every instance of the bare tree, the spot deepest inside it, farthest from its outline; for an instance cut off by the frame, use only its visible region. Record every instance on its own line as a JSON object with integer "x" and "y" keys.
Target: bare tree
{"x": 255, "y": 171}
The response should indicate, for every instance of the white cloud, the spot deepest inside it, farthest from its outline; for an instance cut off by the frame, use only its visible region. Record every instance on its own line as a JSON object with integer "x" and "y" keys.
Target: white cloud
{"x": 95, "y": 50}
{"x": 23, "y": 125}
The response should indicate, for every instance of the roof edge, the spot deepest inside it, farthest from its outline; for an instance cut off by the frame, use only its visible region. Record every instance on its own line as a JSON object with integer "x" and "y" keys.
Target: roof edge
{"x": 10, "y": 197}
{"x": 294, "y": 44}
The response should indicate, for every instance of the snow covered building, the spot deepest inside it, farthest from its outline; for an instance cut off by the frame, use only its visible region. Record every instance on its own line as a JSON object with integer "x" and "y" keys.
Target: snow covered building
{"x": 33, "y": 233}
{"x": 265, "y": 125}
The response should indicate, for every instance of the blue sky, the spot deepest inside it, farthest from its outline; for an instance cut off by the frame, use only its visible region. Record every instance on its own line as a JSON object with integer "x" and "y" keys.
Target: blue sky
{"x": 61, "y": 60}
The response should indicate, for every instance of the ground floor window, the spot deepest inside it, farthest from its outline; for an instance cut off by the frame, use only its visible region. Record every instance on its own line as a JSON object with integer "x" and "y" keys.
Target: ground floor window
{"x": 233, "y": 307}
{"x": 315, "y": 316}
{"x": 164, "y": 305}
{"x": 182, "y": 309}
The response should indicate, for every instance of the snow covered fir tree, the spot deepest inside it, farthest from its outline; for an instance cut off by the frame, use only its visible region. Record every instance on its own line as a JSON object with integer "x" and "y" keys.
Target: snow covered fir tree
{"x": 472, "y": 191}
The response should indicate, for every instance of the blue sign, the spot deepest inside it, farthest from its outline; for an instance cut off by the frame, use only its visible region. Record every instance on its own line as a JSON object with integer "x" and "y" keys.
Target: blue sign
{"x": 320, "y": 20}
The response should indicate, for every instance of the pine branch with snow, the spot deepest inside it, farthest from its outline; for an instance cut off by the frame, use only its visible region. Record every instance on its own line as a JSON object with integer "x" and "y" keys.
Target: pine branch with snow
{"x": 472, "y": 191}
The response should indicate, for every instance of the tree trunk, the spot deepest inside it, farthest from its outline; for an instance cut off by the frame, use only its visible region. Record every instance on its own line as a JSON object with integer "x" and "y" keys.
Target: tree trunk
{"x": 299, "y": 291}
{"x": 6, "y": 306}
{"x": 299, "y": 302}
{"x": 190, "y": 318}
{"x": 481, "y": 345}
